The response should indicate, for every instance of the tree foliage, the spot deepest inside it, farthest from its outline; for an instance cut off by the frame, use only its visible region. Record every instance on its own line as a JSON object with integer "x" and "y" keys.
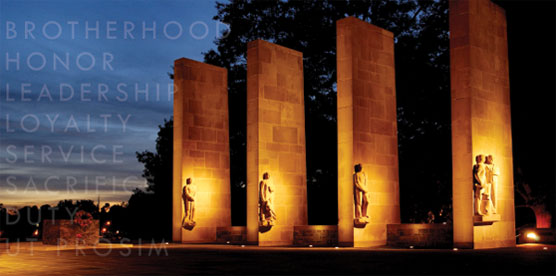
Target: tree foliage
{"x": 421, "y": 36}
{"x": 150, "y": 211}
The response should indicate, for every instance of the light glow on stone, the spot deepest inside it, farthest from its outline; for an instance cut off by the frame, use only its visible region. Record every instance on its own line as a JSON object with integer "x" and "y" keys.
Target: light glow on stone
{"x": 533, "y": 236}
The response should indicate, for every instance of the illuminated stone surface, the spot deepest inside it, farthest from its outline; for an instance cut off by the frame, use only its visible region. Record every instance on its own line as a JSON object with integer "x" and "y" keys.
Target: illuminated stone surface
{"x": 315, "y": 235}
{"x": 201, "y": 148}
{"x": 420, "y": 235}
{"x": 367, "y": 129}
{"x": 231, "y": 235}
{"x": 275, "y": 139}
{"x": 486, "y": 219}
{"x": 481, "y": 121}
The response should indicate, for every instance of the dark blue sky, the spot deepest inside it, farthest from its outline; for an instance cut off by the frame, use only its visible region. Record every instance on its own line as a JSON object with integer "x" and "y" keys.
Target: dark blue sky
{"x": 69, "y": 129}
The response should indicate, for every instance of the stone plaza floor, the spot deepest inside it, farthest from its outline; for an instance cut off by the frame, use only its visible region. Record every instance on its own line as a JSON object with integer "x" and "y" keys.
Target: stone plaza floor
{"x": 171, "y": 259}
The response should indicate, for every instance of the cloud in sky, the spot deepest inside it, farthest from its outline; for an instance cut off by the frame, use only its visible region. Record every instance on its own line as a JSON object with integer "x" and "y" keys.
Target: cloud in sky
{"x": 83, "y": 86}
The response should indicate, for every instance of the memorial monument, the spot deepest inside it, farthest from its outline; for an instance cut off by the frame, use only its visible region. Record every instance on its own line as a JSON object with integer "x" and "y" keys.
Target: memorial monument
{"x": 367, "y": 133}
{"x": 368, "y": 183}
{"x": 275, "y": 144}
{"x": 483, "y": 198}
{"x": 201, "y": 170}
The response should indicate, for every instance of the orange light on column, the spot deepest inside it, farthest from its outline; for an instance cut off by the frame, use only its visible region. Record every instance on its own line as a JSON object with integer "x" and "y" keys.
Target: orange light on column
{"x": 201, "y": 151}
{"x": 367, "y": 131}
{"x": 275, "y": 141}
{"x": 481, "y": 124}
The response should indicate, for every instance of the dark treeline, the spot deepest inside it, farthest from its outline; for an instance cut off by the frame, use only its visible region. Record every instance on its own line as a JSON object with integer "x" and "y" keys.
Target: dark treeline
{"x": 23, "y": 223}
{"x": 125, "y": 220}
{"x": 137, "y": 219}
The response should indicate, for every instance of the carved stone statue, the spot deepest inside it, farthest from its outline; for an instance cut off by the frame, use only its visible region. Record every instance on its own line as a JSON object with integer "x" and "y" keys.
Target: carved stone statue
{"x": 479, "y": 184}
{"x": 188, "y": 195}
{"x": 361, "y": 195}
{"x": 492, "y": 178}
{"x": 267, "y": 214}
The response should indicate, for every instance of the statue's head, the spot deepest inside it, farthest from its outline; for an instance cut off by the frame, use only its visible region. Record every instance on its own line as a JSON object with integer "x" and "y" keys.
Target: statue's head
{"x": 266, "y": 175}
{"x": 189, "y": 181}
{"x": 358, "y": 167}
{"x": 489, "y": 159}
{"x": 479, "y": 159}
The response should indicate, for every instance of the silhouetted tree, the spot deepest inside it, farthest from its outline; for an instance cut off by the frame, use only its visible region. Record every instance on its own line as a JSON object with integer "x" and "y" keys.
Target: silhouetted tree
{"x": 150, "y": 210}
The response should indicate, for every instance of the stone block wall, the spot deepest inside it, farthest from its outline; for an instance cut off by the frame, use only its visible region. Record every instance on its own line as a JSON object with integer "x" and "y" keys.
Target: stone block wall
{"x": 315, "y": 235}
{"x": 231, "y": 235}
{"x": 481, "y": 122}
{"x": 420, "y": 235}
{"x": 275, "y": 139}
{"x": 367, "y": 129}
{"x": 201, "y": 148}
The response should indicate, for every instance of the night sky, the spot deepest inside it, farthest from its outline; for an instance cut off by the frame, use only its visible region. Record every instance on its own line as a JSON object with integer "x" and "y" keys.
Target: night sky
{"x": 74, "y": 146}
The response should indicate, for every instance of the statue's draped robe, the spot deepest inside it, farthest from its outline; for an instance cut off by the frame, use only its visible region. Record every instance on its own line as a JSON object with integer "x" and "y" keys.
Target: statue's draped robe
{"x": 360, "y": 194}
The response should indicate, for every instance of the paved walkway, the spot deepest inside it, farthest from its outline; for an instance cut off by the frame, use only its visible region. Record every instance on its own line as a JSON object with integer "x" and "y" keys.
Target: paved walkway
{"x": 38, "y": 259}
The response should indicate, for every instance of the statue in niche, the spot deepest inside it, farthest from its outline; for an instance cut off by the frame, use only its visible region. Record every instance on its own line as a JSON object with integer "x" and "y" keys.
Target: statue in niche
{"x": 492, "y": 179}
{"x": 479, "y": 184}
{"x": 188, "y": 195}
{"x": 361, "y": 195}
{"x": 485, "y": 180}
{"x": 267, "y": 214}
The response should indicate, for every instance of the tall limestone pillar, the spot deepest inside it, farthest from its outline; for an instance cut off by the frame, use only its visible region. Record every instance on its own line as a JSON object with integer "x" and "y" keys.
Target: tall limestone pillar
{"x": 201, "y": 150}
{"x": 481, "y": 123}
{"x": 275, "y": 141}
{"x": 367, "y": 130}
